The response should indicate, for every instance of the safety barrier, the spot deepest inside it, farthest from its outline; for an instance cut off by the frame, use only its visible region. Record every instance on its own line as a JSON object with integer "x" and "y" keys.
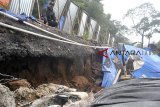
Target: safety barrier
{"x": 68, "y": 14}
{"x": 70, "y": 18}
{"x": 22, "y": 6}
{"x": 82, "y": 24}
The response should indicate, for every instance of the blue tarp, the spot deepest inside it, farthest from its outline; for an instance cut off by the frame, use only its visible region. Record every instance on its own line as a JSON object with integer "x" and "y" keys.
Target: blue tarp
{"x": 150, "y": 69}
{"x": 109, "y": 71}
{"x": 21, "y": 17}
{"x": 61, "y": 23}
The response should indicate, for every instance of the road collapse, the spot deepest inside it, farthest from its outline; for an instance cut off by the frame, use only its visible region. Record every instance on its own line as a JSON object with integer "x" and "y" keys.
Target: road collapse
{"x": 35, "y": 70}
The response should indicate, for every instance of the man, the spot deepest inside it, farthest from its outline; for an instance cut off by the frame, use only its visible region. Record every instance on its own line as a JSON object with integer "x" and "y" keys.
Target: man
{"x": 49, "y": 15}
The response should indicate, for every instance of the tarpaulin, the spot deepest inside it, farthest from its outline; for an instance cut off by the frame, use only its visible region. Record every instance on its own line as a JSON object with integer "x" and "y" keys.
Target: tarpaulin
{"x": 151, "y": 67}
{"x": 21, "y": 17}
{"x": 108, "y": 69}
{"x": 130, "y": 93}
{"x": 61, "y": 23}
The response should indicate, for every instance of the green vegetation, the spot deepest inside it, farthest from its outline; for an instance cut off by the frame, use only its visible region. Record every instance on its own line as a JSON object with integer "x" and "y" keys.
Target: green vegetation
{"x": 86, "y": 36}
{"x": 145, "y": 20}
{"x": 95, "y": 10}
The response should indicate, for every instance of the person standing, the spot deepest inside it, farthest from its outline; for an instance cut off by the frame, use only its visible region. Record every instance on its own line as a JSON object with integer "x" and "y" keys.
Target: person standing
{"x": 48, "y": 15}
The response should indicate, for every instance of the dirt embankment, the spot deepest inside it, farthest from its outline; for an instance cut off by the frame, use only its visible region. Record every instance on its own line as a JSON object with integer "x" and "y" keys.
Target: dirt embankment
{"x": 43, "y": 61}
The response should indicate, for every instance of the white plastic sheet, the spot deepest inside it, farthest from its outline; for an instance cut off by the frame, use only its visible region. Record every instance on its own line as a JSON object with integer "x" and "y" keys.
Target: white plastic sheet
{"x": 70, "y": 18}
{"x": 59, "y": 7}
{"x": 98, "y": 32}
{"x": 22, "y": 6}
{"x": 92, "y": 28}
{"x": 82, "y": 24}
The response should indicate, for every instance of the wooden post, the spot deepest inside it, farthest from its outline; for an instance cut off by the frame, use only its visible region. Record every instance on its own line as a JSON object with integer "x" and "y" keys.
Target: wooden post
{"x": 19, "y": 8}
{"x": 109, "y": 38}
{"x": 38, "y": 9}
{"x": 58, "y": 19}
{"x": 83, "y": 23}
{"x": 70, "y": 18}
{"x": 117, "y": 76}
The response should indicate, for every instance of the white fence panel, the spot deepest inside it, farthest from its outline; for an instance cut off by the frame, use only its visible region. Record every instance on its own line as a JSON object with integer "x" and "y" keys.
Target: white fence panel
{"x": 82, "y": 24}
{"x": 98, "y": 32}
{"x": 22, "y": 6}
{"x": 92, "y": 28}
{"x": 59, "y": 7}
{"x": 70, "y": 18}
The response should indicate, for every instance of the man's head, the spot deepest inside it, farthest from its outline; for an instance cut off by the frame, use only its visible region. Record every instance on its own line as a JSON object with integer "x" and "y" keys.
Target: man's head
{"x": 51, "y": 4}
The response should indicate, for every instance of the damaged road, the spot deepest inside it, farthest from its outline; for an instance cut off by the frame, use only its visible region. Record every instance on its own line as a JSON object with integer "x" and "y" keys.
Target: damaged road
{"x": 37, "y": 71}
{"x": 45, "y": 95}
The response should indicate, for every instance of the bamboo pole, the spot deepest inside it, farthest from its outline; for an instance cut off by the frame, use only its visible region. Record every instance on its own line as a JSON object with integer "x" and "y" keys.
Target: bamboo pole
{"x": 58, "y": 14}
{"x": 70, "y": 18}
{"x": 19, "y": 8}
{"x": 38, "y": 9}
{"x": 117, "y": 77}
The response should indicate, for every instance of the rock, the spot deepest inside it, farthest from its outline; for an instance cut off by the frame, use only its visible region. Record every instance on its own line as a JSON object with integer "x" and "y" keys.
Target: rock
{"x": 44, "y": 101}
{"x": 6, "y": 97}
{"x": 25, "y": 95}
{"x": 47, "y": 89}
{"x": 16, "y": 84}
{"x": 81, "y": 82}
{"x": 54, "y": 106}
{"x": 82, "y": 103}
{"x": 82, "y": 95}
{"x": 98, "y": 81}
{"x": 54, "y": 100}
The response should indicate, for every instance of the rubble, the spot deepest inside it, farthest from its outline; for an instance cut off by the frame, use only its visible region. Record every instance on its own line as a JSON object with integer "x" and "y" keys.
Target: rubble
{"x": 48, "y": 95}
{"x": 81, "y": 82}
{"x": 24, "y": 95}
{"x": 15, "y": 84}
{"x": 6, "y": 97}
{"x": 47, "y": 89}
{"x": 41, "y": 64}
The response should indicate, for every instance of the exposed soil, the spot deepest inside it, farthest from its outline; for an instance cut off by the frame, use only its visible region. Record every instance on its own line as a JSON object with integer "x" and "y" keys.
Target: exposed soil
{"x": 42, "y": 61}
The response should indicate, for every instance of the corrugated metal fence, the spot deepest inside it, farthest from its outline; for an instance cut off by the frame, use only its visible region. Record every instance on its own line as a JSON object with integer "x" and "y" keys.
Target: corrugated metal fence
{"x": 67, "y": 13}
{"x": 70, "y": 18}
{"x": 22, "y": 6}
{"x": 82, "y": 24}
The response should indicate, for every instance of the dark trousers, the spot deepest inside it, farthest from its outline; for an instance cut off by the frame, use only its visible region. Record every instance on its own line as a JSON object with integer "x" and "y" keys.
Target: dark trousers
{"x": 53, "y": 23}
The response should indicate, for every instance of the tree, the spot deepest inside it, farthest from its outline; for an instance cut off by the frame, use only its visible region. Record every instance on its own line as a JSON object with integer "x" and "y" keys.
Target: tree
{"x": 143, "y": 21}
{"x": 95, "y": 10}
{"x": 93, "y": 7}
{"x": 121, "y": 31}
{"x": 158, "y": 46}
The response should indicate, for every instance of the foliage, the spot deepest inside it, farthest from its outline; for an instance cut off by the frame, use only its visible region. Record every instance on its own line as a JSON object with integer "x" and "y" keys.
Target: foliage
{"x": 94, "y": 8}
{"x": 121, "y": 39}
{"x": 86, "y": 36}
{"x": 121, "y": 30}
{"x": 35, "y": 9}
{"x": 158, "y": 45}
{"x": 144, "y": 22}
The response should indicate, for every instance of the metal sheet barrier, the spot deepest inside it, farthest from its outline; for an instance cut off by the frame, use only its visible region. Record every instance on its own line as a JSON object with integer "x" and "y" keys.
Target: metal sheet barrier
{"x": 82, "y": 24}
{"x": 66, "y": 15}
{"x": 22, "y": 6}
{"x": 70, "y": 18}
{"x": 98, "y": 32}
{"x": 59, "y": 7}
{"x": 92, "y": 28}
